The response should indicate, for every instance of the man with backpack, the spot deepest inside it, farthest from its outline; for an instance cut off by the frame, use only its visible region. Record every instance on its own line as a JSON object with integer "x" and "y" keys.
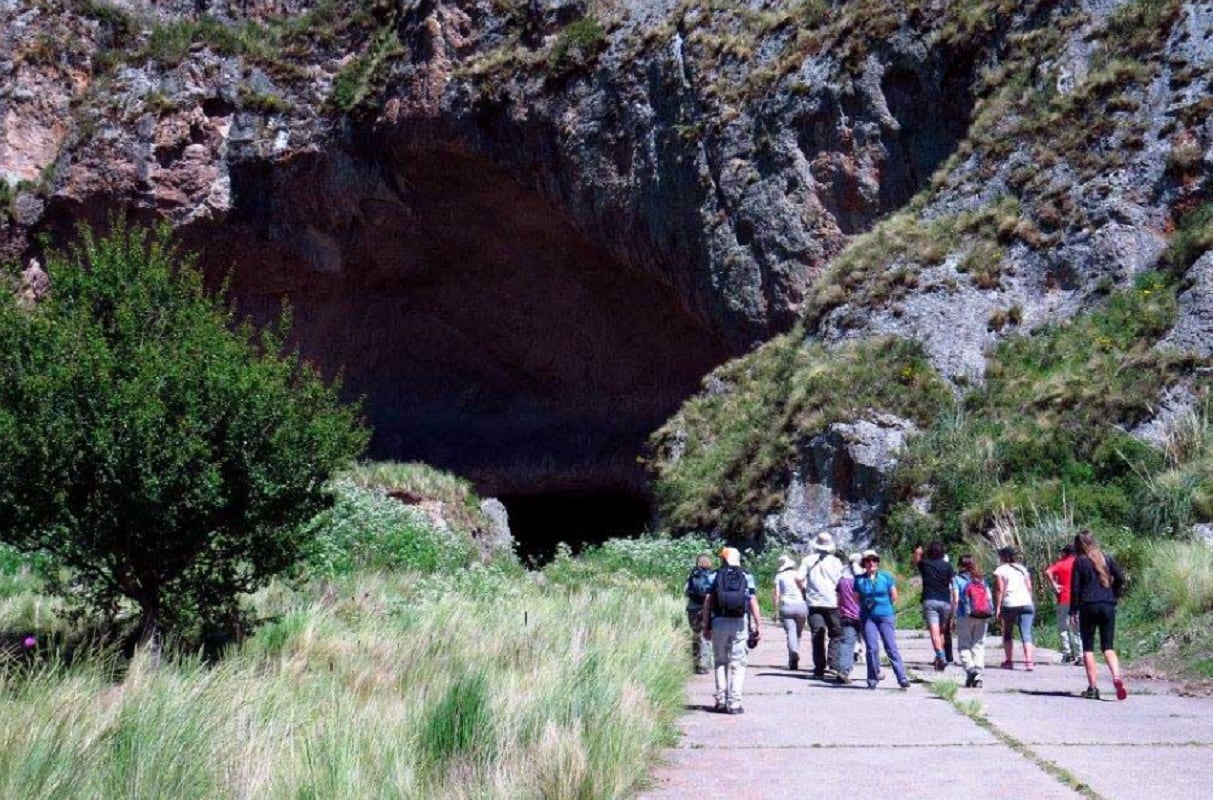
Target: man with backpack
{"x": 821, "y": 572}
{"x": 728, "y": 612}
{"x": 698, "y": 586}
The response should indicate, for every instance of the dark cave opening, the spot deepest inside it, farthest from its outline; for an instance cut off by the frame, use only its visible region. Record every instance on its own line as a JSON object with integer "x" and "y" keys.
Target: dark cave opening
{"x": 482, "y": 331}
{"x": 578, "y": 518}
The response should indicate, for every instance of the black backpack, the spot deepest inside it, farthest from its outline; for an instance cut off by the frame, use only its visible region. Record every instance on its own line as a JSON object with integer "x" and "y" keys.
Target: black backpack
{"x": 731, "y": 592}
{"x": 699, "y": 584}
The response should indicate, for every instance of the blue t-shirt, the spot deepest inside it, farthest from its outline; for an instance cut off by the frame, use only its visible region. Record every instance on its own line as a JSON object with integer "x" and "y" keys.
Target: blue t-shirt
{"x": 873, "y": 593}
{"x": 960, "y": 582}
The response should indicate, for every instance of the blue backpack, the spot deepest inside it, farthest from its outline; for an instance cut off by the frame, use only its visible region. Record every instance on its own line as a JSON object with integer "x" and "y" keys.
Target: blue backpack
{"x": 699, "y": 584}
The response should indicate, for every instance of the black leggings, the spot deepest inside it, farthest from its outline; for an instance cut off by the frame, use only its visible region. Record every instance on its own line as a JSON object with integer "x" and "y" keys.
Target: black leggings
{"x": 1097, "y": 615}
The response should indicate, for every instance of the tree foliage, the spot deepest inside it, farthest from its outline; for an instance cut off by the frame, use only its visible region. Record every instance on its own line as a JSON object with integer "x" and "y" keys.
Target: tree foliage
{"x": 156, "y": 448}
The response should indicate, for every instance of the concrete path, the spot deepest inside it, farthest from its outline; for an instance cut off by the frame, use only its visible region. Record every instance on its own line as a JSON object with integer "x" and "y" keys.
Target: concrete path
{"x": 1033, "y": 737}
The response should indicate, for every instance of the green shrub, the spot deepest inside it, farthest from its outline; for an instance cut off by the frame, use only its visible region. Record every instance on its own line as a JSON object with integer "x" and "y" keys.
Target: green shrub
{"x": 661, "y": 558}
{"x": 161, "y": 453}
{"x": 578, "y": 43}
{"x": 368, "y": 530}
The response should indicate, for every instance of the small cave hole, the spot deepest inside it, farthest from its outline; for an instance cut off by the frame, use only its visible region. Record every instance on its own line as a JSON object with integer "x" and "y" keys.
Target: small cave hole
{"x": 579, "y": 518}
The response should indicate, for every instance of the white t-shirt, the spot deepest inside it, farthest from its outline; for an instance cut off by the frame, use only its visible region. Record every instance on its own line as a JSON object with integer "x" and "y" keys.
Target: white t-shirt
{"x": 1017, "y": 593}
{"x": 821, "y": 572}
{"x": 789, "y": 592}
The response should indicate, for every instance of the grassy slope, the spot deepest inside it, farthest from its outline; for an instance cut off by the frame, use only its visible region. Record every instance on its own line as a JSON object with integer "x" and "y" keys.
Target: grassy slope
{"x": 397, "y": 666}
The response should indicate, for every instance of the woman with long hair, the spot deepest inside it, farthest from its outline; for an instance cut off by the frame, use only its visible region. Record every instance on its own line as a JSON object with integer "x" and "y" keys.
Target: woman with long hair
{"x": 791, "y": 607}
{"x": 971, "y": 611}
{"x": 1095, "y": 585}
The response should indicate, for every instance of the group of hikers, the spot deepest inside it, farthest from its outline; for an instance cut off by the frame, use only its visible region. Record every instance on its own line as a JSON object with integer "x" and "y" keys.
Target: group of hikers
{"x": 850, "y": 610}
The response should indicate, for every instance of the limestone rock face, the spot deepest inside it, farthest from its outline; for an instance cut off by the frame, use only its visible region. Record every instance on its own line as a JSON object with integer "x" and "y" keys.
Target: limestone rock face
{"x": 34, "y": 285}
{"x": 1193, "y": 333}
{"x": 499, "y": 538}
{"x": 839, "y": 484}
{"x": 524, "y": 231}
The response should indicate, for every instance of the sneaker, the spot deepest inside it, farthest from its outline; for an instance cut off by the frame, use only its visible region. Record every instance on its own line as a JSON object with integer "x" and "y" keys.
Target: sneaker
{"x": 1008, "y": 665}
{"x": 702, "y": 670}
{"x": 1067, "y": 658}
{"x": 904, "y": 684}
{"x": 1090, "y": 693}
{"x": 1121, "y": 691}
{"x": 719, "y": 708}
{"x": 871, "y": 685}
{"x": 793, "y": 660}
{"x": 940, "y": 664}
{"x": 977, "y": 683}
{"x": 737, "y": 710}
{"x": 969, "y": 679}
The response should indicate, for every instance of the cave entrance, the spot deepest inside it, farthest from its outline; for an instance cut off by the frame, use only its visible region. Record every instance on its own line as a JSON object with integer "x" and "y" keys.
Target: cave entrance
{"x": 484, "y": 333}
{"x": 579, "y": 518}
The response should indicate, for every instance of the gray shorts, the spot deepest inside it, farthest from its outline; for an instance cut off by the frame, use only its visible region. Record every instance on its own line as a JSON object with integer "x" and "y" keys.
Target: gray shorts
{"x": 936, "y": 612}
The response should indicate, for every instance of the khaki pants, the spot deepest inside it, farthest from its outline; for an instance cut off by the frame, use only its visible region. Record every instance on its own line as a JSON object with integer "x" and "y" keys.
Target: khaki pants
{"x": 729, "y": 636}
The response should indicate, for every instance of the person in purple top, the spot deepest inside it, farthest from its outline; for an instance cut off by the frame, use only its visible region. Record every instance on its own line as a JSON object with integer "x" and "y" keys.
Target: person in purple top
{"x": 848, "y": 612}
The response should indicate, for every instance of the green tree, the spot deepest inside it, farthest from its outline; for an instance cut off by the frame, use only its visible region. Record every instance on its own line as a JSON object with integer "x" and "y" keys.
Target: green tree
{"x": 158, "y": 449}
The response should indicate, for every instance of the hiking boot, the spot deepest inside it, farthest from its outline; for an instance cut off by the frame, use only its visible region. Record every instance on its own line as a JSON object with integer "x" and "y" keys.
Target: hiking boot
{"x": 1067, "y": 659}
{"x": 1090, "y": 693}
{"x": 1121, "y": 691}
{"x": 793, "y": 660}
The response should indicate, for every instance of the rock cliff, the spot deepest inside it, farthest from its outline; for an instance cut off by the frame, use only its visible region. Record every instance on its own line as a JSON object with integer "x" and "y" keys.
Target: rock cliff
{"x": 526, "y": 228}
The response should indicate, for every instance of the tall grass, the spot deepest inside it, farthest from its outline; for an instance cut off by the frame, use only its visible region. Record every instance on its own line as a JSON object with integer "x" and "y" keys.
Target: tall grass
{"x": 384, "y": 686}
{"x": 1178, "y": 580}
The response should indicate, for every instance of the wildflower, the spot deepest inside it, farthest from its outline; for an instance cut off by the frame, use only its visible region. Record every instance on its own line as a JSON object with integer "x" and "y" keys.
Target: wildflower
{"x": 29, "y": 642}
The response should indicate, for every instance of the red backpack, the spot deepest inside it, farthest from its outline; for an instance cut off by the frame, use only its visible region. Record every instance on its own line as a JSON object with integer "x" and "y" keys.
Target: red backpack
{"x": 977, "y": 599}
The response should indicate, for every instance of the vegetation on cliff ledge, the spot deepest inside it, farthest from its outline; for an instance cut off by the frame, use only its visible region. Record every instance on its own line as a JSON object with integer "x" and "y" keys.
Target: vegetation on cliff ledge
{"x": 719, "y": 460}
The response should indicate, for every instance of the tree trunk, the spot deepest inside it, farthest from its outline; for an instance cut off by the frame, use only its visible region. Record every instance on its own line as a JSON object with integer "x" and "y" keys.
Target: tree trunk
{"x": 149, "y": 626}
